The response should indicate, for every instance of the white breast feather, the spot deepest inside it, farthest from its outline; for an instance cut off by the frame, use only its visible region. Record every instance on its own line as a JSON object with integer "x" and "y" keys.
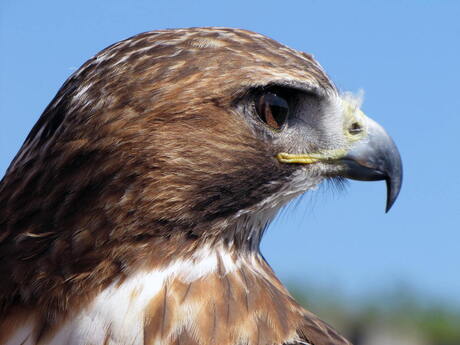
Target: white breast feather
{"x": 114, "y": 310}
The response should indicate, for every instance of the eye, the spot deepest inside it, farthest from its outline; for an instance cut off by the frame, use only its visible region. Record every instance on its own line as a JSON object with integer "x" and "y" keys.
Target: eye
{"x": 272, "y": 109}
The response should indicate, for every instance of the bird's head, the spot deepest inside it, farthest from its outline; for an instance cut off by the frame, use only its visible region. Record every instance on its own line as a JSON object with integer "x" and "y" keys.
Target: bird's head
{"x": 191, "y": 133}
{"x": 157, "y": 165}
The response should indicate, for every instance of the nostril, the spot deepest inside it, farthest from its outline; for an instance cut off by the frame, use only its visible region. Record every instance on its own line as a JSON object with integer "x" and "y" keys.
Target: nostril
{"x": 355, "y": 128}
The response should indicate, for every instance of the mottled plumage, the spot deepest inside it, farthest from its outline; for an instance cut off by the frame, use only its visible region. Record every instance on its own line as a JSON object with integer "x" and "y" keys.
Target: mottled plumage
{"x": 134, "y": 211}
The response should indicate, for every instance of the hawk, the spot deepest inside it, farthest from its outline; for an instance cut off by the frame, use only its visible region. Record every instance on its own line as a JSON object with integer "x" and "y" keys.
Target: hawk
{"x": 134, "y": 210}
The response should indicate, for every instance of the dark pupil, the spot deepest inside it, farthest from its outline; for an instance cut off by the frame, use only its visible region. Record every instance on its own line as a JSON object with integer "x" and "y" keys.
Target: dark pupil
{"x": 273, "y": 110}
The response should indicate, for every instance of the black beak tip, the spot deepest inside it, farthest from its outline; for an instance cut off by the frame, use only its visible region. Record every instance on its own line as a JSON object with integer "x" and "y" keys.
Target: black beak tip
{"x": 393, "y": 189}
{"x": 390, "y": 198}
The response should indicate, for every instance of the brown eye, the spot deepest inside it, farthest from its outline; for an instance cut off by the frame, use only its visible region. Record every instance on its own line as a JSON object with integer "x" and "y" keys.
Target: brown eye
{"x": 272, "y": 109}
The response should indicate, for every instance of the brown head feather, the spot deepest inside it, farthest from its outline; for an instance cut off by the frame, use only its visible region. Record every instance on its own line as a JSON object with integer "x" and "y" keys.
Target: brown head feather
{"x": 142, "y": 157}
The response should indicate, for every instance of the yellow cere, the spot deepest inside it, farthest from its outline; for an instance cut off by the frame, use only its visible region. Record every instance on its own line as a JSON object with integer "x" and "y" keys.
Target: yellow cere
{"x": 352, "y": 114}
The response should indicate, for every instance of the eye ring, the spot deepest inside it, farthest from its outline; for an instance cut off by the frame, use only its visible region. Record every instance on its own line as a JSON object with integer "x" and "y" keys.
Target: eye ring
{"x": 272, "y": 109}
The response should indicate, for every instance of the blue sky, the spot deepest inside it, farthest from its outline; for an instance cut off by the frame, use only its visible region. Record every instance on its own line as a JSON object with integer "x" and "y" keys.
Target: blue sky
{"x": 404, "y": 55}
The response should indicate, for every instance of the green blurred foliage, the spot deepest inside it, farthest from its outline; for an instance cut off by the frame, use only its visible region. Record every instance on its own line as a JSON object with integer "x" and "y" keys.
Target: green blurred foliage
{"x": 397, "y": 315}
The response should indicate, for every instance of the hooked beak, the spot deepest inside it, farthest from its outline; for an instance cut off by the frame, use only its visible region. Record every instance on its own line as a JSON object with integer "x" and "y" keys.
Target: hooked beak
{"x": 374, "y": 158}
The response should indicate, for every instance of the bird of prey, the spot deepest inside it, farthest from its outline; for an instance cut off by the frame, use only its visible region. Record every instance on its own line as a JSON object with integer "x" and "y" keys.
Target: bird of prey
{"x": 134, "y": 210}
